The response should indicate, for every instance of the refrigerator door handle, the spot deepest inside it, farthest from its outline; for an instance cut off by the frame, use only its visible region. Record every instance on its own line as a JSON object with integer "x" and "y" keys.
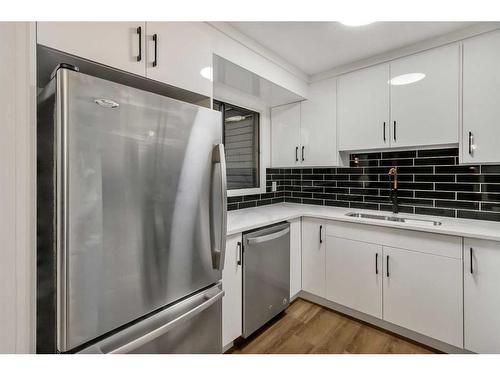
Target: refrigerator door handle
{"x": 140, "y": 341}
{"x": 218, "y": 252}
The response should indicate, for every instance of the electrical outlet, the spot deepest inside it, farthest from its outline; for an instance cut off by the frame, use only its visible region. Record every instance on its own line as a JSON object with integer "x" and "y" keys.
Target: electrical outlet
{"x": 274, "y": 186}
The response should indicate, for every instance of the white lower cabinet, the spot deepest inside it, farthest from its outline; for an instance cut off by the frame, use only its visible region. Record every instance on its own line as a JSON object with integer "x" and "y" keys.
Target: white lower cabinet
{"x": 354, "y": 274}
{"x": 313, "y": 256}
{"x": 482, "y": 296}
{"x": 423, "y": 292}
{"x": 295, "y": 257}
{"x": 232, "y": 284}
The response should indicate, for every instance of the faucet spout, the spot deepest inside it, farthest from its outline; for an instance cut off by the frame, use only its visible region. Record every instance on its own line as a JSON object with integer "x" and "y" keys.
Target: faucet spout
{"x": 393, "y": 173}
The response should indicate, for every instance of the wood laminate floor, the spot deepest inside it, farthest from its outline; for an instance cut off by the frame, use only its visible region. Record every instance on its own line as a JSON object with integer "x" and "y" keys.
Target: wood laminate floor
{"x": 309, "y": 328}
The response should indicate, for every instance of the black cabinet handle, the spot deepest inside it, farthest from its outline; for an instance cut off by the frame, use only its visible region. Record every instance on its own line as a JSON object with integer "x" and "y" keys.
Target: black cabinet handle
{"x": 387, "y": 265}
{"x": 471, "y": 266}
{"x": 470, "y": 143}
{"x": 384, "y": 132}
{"x": 376, "y": 263}
{"x": 238, "y": 261}
{"x": 321, "y": 234}
{"x": 155, "y": 39}
{"x": 139, "y": 32}
{"x": 394, "y": 130}
{"x": 297, "y": 153}
{"x": 303, "y": 153}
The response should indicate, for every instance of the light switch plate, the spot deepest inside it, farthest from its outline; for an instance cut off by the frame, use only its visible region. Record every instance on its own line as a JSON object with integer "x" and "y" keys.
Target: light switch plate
{"x": 274, "y": 186}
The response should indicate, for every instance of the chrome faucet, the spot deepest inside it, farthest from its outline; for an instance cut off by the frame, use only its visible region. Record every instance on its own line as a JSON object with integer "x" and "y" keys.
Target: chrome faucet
{"x": 393, "y": 173}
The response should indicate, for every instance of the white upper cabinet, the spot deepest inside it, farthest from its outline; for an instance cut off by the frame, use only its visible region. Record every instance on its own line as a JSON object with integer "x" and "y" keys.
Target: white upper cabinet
{"x": 363, "y": 109}
{"x": 424, "y": 98}
{"x": 180, "y": 54}
{"x": 413, "y": 101}
{"x": 304, "y": 134}
{"x": 117, "y": 44}
{"x": 423, "y": 292}
{"x": 318, "y": 128}
{"x": 481, "y": 296}
{"x": 176, "y": 53}
{"x": 481, "y": 98}
{"x": 285, "y": 136}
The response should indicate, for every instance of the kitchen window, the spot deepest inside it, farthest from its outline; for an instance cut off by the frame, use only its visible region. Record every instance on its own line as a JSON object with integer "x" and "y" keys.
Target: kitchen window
{"x": 241, "y": 142}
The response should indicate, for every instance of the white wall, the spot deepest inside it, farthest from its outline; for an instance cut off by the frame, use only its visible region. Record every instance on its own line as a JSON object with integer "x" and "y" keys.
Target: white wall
{"x": 17, "y": 187}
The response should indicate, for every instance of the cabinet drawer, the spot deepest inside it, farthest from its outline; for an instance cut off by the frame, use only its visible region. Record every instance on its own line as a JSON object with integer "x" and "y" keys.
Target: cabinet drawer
{"x": 431, "y": 243}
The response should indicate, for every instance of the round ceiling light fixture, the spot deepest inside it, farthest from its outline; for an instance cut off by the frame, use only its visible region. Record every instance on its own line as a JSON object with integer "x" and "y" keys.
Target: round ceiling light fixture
{"x": 406, "y": 79}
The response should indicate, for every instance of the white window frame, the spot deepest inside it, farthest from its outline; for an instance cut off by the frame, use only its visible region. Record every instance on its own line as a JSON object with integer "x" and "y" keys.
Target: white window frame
{"x": 262, "y": 162}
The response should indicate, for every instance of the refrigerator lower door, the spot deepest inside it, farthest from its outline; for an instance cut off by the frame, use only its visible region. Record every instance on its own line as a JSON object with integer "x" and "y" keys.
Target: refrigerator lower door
{"x": 190, "y": 326}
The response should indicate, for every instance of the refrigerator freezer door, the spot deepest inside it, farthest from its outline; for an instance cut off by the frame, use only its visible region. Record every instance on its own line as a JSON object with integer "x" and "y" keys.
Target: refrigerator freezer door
{"x": 137, "y": 183}
{"x": 192, "y": 326}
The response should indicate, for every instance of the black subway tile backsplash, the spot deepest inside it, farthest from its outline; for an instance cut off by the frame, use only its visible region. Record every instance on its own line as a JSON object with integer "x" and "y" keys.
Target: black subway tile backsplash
{"x": 430, "y": 183}
{"x": 437, "y": 152}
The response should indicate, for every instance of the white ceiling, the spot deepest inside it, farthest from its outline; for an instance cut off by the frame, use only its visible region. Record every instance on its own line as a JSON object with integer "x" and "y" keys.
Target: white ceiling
{"x": 316, "y": 47}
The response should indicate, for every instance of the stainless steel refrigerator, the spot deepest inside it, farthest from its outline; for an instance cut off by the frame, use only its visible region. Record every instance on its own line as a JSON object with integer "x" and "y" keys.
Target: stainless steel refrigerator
{"x": 131, "y": 220}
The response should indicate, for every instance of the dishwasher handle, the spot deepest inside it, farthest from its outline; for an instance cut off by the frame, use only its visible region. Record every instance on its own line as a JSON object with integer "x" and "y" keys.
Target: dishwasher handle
{"x": 268, "y": 237}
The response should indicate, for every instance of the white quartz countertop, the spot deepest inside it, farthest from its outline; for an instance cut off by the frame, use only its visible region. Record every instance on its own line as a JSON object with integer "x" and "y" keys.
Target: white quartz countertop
{"x": 250, "y": 218}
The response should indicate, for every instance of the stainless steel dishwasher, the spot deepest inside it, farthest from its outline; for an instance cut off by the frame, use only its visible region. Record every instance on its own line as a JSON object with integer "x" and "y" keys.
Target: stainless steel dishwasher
{"x": 266, "y": 275}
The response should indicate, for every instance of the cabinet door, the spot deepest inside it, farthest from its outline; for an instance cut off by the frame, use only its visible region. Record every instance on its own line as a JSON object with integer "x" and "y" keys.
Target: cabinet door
{"x": 423, "y": 292}
{"x": 424, "y": 98}
{"x": 116, "y": 44}
{"x": 363, "y": 109}
{"x": 481, "y": 95}
{"x": 354, "y": 275}
{"x": 318, "y": 127}
{"x": 482, "y": 296}
{"x": 313, "y": 256}
{"x": 285, "y": 135}
{"x": 295, "y": 257}
{"x": 232, "y": 285}
{"x": 183, "y": 55}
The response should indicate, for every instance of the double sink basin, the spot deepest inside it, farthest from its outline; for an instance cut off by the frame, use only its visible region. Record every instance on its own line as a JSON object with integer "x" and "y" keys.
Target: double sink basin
{"x": 394, "y": 219}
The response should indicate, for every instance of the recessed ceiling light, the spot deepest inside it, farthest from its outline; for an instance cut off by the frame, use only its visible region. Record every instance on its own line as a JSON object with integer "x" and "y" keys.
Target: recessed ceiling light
{"x": 406, "y": 79}
{"x": 356, "y": 23}
{"x": 207, "y": 72}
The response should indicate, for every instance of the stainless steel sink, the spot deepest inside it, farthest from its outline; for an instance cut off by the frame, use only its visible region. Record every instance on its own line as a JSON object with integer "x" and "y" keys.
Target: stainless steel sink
{"x": 394, "y": 218}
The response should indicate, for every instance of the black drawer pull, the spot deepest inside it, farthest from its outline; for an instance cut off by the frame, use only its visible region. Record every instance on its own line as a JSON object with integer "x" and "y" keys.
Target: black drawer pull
{"x": 139, "y": 32}
{"x": 387, "y": 265}
{"x": 155, "y": 39}
{"x": 471, "y": 266}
